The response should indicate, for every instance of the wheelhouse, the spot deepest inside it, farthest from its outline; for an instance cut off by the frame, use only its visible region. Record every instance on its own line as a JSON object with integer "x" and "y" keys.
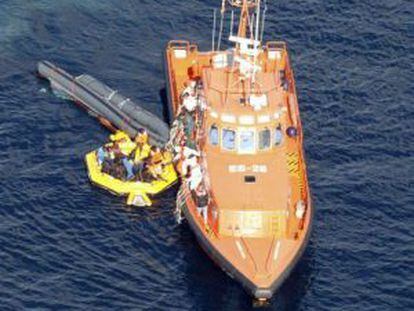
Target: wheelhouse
{"x": 245, "y": 140}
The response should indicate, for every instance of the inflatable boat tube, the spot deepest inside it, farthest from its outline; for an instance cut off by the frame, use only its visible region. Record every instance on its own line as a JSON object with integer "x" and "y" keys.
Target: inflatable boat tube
{"x": 111, "y": 108}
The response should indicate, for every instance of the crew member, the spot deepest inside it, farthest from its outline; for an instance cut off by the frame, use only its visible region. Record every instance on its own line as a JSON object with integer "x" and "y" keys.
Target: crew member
{"x": 195, "y": 176}
{"x": 201, "y": 199}
{"x": 190, "y": 88}
{"x": 189, "y": 103}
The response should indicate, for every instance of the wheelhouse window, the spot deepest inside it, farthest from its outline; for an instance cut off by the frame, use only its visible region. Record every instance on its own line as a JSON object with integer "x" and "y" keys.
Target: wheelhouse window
{"x": 264, "y": 139}
{"x": 246, "y": 141}
{"x": 214, "y": 135}
{"x": 278, "y": 136}
{"x": 228, "y": 139}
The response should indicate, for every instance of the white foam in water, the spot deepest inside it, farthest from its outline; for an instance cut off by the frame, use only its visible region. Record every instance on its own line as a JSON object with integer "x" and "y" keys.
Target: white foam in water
{"x": 58, "y": 92}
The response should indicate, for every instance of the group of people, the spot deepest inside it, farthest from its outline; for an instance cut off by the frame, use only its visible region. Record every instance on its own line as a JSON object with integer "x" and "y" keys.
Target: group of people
{"x": 188, "y": 164}
{"x": 130, "y": 160}
{"x": 190, "y": 111}
{"x": 187, "y": 158}
{"x": 136, "y": 160}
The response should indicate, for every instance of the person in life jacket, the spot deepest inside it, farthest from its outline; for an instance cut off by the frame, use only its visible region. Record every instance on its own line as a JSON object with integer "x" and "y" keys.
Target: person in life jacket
{"x": 106, "y": 154}
{"x": 113, "y": 157}
{"x": 132, "y": 162}
{"x": 118, "y": 135}
{"x": 109, "y": 158}
{"x": 103, "y": 154}
{"x": 155, "y": 163}
{"x": 142, "y": 149}
{"x": 127, "y": 146}
{"x": 167, "y": 157}
{"x": 142, "y": 137}
{"x": 110, "y": 152}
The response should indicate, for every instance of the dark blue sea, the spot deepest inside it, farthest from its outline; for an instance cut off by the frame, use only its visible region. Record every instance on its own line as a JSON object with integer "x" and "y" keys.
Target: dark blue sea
{"x": 65, "y": 244}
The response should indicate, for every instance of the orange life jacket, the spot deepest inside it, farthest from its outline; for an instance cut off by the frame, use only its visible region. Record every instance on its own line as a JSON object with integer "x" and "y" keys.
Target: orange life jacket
{"x": 142, "y": 139}
{"x": 156, "y": 158}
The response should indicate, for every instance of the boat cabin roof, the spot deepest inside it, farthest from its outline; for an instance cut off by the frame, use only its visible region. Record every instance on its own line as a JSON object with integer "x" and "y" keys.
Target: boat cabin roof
{"x": 236, "y": 101}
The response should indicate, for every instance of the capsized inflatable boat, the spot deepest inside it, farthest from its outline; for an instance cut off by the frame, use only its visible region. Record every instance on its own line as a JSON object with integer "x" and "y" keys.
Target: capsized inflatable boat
{"x": 138, "y": 192}
{"x": 112, "y": 109}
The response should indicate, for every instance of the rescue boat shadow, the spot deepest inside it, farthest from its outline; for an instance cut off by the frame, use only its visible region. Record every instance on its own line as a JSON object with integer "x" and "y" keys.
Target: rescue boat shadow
{"x": 212, "y": 289}
{"x": 164, "y": 99}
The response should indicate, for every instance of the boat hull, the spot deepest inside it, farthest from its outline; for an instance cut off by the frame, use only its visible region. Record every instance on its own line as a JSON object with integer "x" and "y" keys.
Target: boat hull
{"x": 255, "y": 291}
{"x": 258, "y": 285}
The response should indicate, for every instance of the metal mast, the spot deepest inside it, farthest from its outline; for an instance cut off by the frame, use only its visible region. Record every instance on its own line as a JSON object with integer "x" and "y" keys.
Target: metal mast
{"x": 244, "y": 19}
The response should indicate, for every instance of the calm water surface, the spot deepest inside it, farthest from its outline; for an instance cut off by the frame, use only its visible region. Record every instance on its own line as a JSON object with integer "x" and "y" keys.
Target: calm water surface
{"x": 67, "y": 245}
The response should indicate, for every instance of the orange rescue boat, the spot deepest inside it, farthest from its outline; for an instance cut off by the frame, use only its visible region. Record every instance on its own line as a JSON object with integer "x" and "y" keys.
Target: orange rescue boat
{"x": 238, "y": 132}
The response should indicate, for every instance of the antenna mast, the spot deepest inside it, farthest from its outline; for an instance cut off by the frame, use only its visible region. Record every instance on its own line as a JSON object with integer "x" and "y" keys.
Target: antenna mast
{"x": 245, "y": 6}
{"x": 213, "y": 34}
{"x": 222, "y": 11}
{"x": 247, "y": 41}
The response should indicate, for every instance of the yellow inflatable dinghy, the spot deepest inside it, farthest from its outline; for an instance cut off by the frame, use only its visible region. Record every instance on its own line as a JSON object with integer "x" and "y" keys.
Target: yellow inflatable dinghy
{"x": 138, "y": 192}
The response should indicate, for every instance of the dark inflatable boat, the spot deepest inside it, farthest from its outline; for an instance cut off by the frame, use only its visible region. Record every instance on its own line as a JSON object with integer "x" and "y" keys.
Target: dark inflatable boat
{"x": 113, "y": 110}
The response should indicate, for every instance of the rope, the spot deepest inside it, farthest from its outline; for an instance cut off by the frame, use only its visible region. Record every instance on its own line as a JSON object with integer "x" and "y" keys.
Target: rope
{"x": 213, "y": 36}
{"x": 263, "y": 20}
{"x": 256, "y": 36}
{"x": 111, "y": 95}
{"x": 231, "y": 22}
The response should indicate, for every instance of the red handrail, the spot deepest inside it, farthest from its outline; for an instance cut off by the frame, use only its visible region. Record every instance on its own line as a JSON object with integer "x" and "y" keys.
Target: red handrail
{"x": 177, "y": 44}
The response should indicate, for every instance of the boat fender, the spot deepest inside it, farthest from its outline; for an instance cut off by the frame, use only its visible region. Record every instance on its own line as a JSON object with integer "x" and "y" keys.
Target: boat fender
{"x": 300, "y": 209}
{"x": 292, "y": 110}
{"x": 292, "y": 132}
{"x": 178, "y": 214}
